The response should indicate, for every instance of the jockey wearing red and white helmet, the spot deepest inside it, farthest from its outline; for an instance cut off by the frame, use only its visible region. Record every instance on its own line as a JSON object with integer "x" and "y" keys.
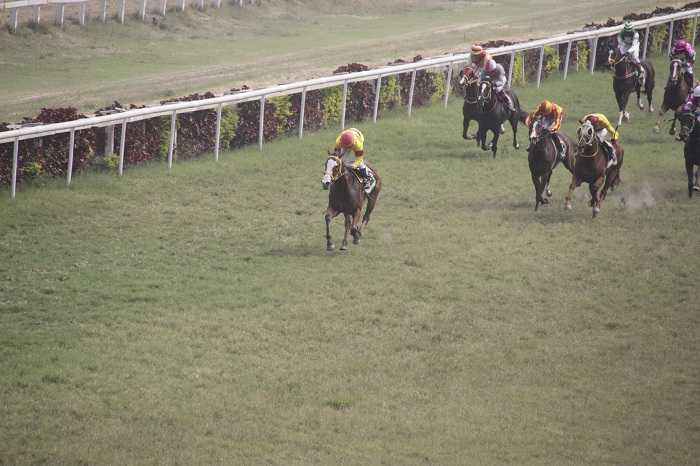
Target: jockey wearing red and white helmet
{"x": 684, "y": 50}
{"x": 349, "y": 143}
{"x": 486, "y": 67}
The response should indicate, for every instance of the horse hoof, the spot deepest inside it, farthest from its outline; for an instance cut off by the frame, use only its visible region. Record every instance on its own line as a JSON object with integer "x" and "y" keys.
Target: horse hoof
{"x": 568, "y": 206}
{"x": 549, "y": 193}
{"x": 356, "y": 240}
{"x": 651, "y": 109}
{"x": 596, "y": 211}
{"x": 696, "y": 188}
{"x": 517, "y": 146}
{"x": 657, "y": 130}
{"x": 330, "y": 247}
{"x": 344, "y": 247}
{"x": 544, "y": 200}
{"x": 672, "y": 131}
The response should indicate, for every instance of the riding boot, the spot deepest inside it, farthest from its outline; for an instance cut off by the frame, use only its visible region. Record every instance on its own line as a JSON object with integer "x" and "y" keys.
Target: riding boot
{"x": 689, "y": 80}
{"x": 559, "y": 146}
{"x": 367, "y": 179}
{"x": 610, "y": 152}
{"x": 508, "y": 101}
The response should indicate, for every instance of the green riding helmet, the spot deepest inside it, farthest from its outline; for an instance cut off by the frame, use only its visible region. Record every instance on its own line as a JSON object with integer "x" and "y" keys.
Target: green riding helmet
{"x": 627, "y": 30}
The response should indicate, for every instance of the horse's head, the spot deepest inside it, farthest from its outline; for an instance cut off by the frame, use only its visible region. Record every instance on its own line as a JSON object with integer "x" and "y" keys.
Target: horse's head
{"x": 620, "y": 63}
{"x": 674, "y": 71}
{"x": 470, "y": 84}
{"x": 585, "y": 134}
{"x": 485, "y": 93}
{"x": 537, "y": 132}
{"x": 333, "y": 169}
{"x": 687, "y": 121}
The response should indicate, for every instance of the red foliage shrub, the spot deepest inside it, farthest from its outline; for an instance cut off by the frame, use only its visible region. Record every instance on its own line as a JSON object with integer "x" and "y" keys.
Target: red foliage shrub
{"x": 360, "y": 95}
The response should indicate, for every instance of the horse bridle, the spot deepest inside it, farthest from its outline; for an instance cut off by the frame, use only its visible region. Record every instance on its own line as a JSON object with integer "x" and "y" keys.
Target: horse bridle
{"x": 489, "y": 96}
{"x": 587, "y": 139}
{"x": 683, "y": 117}
{"x": 614, "y": 63}
{"x": 339, "y": 168}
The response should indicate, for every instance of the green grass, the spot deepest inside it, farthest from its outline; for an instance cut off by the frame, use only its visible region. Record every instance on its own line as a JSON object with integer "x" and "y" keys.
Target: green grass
{"x": 91, "y": 66}
{"x": 194, "y": 317}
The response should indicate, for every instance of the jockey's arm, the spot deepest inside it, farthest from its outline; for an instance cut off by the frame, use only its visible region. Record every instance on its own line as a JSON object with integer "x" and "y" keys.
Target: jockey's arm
{"x": 557, "y": 116}
{"x": 606, "y": 124}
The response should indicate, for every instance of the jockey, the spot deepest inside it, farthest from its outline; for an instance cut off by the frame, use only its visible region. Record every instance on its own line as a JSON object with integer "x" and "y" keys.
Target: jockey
{"x": 628, "y": 44}
{"x": 602, "y": 127}
{"x": 693, "y": 103}
{"x": 685, "y": 51}
{"x": 550, "y": 116}
{"x": 349, "y": 142}
{"x": 486, "y": 67}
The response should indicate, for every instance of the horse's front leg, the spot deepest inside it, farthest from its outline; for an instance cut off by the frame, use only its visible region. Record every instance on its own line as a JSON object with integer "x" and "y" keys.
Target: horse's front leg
{"x": 348, "y": 224}
{"x": 494, "y": 142}
{"x": 514, "y": 126}
{"x": 465, "y": 129}
{"x": 482, "y": 138}
{"x": 596, "y": 188}
{"x": 689, "y": 172}
{"x": 547, "y": 191}
{"x": 640, "y": 104}
{"x": 662, "y": 112}
{"x": 330, "y": 214}
{"x": 356, "y": 227}
{"x": 672, "y": 131}
{"x": 575, "y": 182}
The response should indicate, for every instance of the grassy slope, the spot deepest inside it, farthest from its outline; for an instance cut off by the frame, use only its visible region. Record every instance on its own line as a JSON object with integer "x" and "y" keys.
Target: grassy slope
{"x": 195, "y": 318}
{"x": 91, "y": 66}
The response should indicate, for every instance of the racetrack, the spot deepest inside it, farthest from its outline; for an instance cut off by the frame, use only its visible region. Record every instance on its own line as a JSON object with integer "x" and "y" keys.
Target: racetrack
{"x": 195, "y": 317}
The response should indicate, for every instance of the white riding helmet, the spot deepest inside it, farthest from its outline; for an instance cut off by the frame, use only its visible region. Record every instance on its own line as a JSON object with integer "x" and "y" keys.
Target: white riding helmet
{"x": 696, "y": 93}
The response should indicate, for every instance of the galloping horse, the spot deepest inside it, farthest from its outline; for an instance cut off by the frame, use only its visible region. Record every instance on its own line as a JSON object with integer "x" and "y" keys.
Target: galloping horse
{"x": 542, "y": 159}
{"x": 470, "y": 110}
{"x": 675, "y": 94}
{"x": 494, "y": 114}
{"x": 625, "y": 82}
{"x": 690, "y": 134}
{"x": 347, "y": 196}
{"x": 590, "y": 165}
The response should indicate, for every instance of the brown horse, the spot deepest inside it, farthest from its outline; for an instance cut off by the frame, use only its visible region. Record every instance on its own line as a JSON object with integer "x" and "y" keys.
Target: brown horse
{"x": 542, "y": 158}
{"x": 347, "y": 196}
{"x": 675, "y": 94}
{"x": 589, "y": 166}
{"x": 625, "y": 82}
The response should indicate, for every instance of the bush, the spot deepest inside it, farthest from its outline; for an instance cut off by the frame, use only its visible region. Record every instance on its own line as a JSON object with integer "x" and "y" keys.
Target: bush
{"x": 331, "y": 105}
{"x": 282, "y": 113}
{"x": 196, "y": 131}
{"x": 313, "y": 114}
{"x": 390, "y": 93}
{"x": 360, "y": 103}
{"x": 229, "y": 121}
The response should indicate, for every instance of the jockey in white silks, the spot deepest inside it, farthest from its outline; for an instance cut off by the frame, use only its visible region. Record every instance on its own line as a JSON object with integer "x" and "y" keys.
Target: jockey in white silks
{"x": 485, "y": 67}
{"x": 628, "y": 44}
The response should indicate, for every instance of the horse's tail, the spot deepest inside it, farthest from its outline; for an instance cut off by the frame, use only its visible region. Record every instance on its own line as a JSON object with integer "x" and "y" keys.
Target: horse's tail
{"x": 372, "y": 200}
{"x": 521, "y": 116}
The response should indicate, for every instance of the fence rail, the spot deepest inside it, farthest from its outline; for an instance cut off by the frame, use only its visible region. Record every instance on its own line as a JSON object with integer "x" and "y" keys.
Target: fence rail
{"x": 217, "y": 103}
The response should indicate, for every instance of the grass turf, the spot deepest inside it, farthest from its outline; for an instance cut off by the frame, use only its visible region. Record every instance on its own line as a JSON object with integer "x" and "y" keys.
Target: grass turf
{"x": 194, "y": 317}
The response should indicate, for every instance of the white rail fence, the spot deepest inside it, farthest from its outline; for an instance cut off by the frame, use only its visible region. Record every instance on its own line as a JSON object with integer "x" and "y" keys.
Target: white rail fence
{"x": 143, "y": 7}
{"x": 217, "y": 103}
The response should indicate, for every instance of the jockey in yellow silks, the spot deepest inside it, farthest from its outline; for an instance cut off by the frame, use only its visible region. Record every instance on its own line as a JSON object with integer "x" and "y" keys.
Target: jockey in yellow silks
{"x": 350, "y": 146}
{"x": 602, "y": 128}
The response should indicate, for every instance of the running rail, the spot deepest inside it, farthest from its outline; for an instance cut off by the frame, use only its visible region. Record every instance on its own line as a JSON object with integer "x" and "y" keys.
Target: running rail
{"x": 122, "y": 118}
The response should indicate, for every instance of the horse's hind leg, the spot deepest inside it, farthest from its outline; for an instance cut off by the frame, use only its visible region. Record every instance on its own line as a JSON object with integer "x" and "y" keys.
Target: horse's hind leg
{"x": 356, "y": 226}
{"x": 494, "y": 142}
{"x": 514, "y": 125}
{"x": 689, "y": 171}
{"x": 548, "y": 191}
{"x": 573, "y": 185}
{"x": 465, "y": 129}
{"x": 596, "y": 189}
{"x": 371, "y": 202}
{"x": 538, "y": 190}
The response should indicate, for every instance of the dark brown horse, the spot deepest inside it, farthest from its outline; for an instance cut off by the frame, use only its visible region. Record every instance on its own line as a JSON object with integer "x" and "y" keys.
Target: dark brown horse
{"x": 590, "y": 166}
{"x": 675, "y": 94}
{"x": 690, "y": 134}
{"x": 542, "y": 158}
{"x": 347, "y": 196}
{"x": 625, "y": 82}
{"x": 494, "y": 113}
{"x": 470, "y": 110}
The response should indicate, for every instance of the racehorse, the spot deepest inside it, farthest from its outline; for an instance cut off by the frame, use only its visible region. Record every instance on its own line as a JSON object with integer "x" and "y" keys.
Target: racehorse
{"x": 494, "y": 113}
{"x": 347, "y": 196}
{"x": 690, "y": 135}
{"x": 675, "y": 94}
{"x": 625, "y": 82}
{"x": 589, "y": 166}
{"x": 470, "y": 110}
{"x": 542, "y": 158}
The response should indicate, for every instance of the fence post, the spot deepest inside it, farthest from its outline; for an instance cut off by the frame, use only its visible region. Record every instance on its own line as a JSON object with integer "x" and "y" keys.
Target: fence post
{"x": 695, "y": 28}
{"x": 261, "y": 127}
{"x": 104, "y": 11}
{"x": 163, "y": 7}
{"x": 201, "y": 5}
{"x": 539, "y": 69}
{"x": 376, "y": 98}
{"x": 592, "y": 54}
{"x": 83, "y": 13}
{"x": 345, "y": 104}
{"x": 670, "y": 38}
{"x": 524, "y": 75}
{"x": 122, "y": 11}
{"x": 15, "y": 153}
{"x": 566, "y": 61}
{"x": 37, "y": 14}
{"x": 302, "y": 110}
{"x": 71, "y": 147}
{"x": 60, "y": 13}
{"x": 14, "y": 21}
{"x": 448, "y": 84}
{"x": 122, "y": 148}
{"x": 646, "y": 42}
{"x": 410, "y": 93}
{"x": 143, "y": 10}
{"x": 173, "y": 137}
{"x": 510, "y": 69}
{"x": 218, "y": 131}
{"x": 182, "y": 5}
{"x": 218, "y": 3}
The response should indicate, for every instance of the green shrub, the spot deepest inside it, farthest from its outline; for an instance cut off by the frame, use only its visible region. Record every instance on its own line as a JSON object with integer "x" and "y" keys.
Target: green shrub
{"x": 331, "y": 105}
{"x": 32, "y": 170}
{"x": 438, "y": 78}
{"x": 229, "y": 120}
{"x": 518, "y": 71}
{"x": 657, "y": 38}
{"x": 110, "y": 162}
{"x": 390, "y": 93}
{"x": 164, "y": 139}
{"x": 551, "y": 61}
{"x": 582, "y": 53}
{"x": 283, "y": 111}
